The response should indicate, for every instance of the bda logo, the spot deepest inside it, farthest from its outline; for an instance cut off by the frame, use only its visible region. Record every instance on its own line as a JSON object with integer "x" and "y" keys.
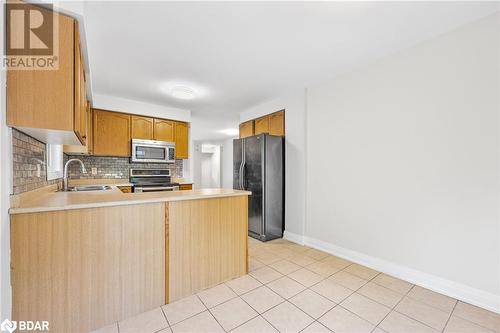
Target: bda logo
{"x": 8, "y": 326}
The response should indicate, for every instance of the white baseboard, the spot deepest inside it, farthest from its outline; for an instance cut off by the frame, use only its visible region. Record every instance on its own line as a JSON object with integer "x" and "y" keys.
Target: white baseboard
{"x": 447, "y": 287}
{"x": 295, "y": 238}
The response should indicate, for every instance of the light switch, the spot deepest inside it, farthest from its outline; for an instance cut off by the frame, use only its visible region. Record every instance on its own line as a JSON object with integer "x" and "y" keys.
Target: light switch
{"x": 94, "y": 171}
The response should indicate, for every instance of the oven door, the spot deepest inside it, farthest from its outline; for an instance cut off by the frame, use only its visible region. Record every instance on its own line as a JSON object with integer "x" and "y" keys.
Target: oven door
{"x": 150, "y": 153}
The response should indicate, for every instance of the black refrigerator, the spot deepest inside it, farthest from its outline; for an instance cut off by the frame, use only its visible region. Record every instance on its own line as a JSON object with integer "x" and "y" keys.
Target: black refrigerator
{"x": 258, "y": 166}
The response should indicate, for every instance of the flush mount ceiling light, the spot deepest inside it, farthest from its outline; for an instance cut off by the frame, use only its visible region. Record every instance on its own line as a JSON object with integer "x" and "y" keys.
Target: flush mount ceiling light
{"x": 182, "y": 92}
{"x": 230, "y": 131}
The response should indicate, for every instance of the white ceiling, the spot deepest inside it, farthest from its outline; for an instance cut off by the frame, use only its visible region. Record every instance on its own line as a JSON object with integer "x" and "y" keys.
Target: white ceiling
{"x": 238, "y": 54}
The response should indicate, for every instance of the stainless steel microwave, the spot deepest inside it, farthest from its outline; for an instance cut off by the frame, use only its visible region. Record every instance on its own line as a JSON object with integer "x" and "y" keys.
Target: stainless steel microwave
{"x": 151, "y": 151}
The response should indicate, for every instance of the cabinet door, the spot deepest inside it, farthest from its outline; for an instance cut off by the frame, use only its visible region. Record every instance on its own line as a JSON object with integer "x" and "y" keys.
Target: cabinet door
{"x": 181, "y": 140}
{"x": 277, "y": 123}
{"x": 142, "y": 128}
{"x": 246, "y": 129}
{"x": 164, "y": 130}
{"x": 80, "y": 108}
{"x": 262, "y": 125}
{"x": 45, "y": 98}
{"x": 111, "y": 133}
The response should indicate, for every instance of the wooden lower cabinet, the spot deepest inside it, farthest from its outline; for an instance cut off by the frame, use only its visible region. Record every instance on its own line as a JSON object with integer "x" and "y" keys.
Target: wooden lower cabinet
{"x": 86, "y": 268}
{"x": 83, "y": 269}
{"x": 207, "y": 243}
{"x": 111, "y": 133}
{"x": 184, "y": 187}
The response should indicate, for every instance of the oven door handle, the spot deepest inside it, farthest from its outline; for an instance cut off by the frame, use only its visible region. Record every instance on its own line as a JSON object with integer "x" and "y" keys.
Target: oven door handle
{"x": 160, "y": 188}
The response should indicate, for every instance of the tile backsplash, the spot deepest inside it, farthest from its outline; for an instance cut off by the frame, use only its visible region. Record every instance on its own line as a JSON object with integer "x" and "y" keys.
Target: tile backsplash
{"x": 28, "y": 156}
{"x": 114, "y": 167}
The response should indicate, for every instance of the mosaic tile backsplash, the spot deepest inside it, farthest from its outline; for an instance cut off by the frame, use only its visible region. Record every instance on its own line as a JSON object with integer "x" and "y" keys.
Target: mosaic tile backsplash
{"x": 28, "y": 154}
{"x": 114, "y": 167}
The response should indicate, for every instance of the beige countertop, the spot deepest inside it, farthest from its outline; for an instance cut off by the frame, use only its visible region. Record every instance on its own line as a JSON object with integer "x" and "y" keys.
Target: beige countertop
{"x": 51, "y": 201}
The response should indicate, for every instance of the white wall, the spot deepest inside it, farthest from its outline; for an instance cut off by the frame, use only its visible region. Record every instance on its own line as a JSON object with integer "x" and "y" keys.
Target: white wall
{"x": 403, "y": 164}
{"x": 225, "y": 158}
{"x": 295, "y": 154}
{"x": 5, "y": 190}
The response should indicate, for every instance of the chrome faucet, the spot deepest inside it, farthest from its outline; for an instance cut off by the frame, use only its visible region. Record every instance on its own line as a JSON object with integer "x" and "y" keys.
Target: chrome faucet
{"x": 65, "y": 175}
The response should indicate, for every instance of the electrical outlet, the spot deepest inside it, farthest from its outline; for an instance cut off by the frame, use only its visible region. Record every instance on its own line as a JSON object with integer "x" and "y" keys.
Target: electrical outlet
{"x": 94, "y": 171}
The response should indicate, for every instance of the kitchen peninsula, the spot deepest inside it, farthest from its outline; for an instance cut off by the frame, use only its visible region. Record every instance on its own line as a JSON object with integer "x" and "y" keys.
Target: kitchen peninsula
{"x": 112, "y": 255}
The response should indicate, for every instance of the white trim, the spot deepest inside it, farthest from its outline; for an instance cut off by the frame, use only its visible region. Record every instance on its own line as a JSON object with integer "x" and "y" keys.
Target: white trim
{"x": 294, "y": 238}
{"x": 447, "y": 287}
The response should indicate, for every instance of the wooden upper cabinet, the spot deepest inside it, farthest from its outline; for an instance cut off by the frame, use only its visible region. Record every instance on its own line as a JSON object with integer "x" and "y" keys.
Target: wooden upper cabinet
{"x": 142, "y": 128}
{"x": 111, "y": 133}
{"x": 80, "y": 107}
{"x": 181, "y": 140}
{"x": 262, "y": 125}
{"x": 50, "y": 99}
{"x": 246, "y": 129}
{"x": 277, "y": 123}
{"x": 164, "y": 130}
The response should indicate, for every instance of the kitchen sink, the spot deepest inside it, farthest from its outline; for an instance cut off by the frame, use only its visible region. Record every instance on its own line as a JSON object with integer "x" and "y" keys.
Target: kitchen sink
{"x": 89, "y": 188}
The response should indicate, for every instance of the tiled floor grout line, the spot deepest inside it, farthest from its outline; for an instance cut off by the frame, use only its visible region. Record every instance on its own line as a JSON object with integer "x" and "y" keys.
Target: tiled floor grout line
{"x": 261, "y": 314}
{"x": 449, "y": 317}
{"x": 392, "y": 309}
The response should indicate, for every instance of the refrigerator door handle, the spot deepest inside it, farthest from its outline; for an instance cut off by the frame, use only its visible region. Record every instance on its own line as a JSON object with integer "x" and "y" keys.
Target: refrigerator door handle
{"x": 243, "y": 175}
{"x": 240, "y": 176}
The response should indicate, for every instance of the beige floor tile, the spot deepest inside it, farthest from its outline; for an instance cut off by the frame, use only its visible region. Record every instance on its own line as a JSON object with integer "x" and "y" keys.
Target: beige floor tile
{"x": 316, "y": 327}
{"x": 392, "y": 283}
{"x": 323, "y": 269}
{"x": 378, "y": 330}
{"x": 316, "y": 254}
{"x": 432, "y": 298}
{"x": 268, "y": 258}
{"x": 459, "y": 325}
{"x": 348, "y": 280}
{"x": 113, "y": 328}
{"x": 256, "y": 325}
{"x": 262, "y": 299}
{"x": 306, "y": 277}
{"x": 336, "y": 261}
{"x": 361, "y": 271}
{"x": 340, "y": 320}
{"x": 424, "y": 313}
{"x": 183, "y": 309}
{"x": 233, "y": 313}
{"x": 147, "y": 322}
{"x": 332, "y": 291}
{"x": 380, "y": 294}
{"x": 243, "y": 284}
{"x": 366, "y": 308}
{"x": 287, "y": 318}
{"x": 478, "y": 316}
{"x": 312, "y": 303}
{"x": 297, "y": 248}
{"x": 266, "y": 274}
{"x": 165, "y": 330}
{"x": 398, "y": 323}
{"x": 254, "y": 264}
{"x": 285, "y": 267}
{"x": 216, "y": 295}
{"x": 283, "y": 253}
{"x": 201, "y": 323}
{"x": 302, "y": 260}
{"x": 286, "y": 287}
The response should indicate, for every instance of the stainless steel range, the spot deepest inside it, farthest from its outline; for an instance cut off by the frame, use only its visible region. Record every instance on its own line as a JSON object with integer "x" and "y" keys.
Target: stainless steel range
{"x": 152, "y": 180}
